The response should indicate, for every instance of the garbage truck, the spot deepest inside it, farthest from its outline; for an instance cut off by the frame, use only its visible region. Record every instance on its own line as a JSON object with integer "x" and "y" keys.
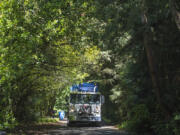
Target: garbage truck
{"x": 85, "y": 102}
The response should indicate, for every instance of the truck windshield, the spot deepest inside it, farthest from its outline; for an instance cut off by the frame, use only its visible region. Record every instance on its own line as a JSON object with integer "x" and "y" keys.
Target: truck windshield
{"x": 85, "y": 98}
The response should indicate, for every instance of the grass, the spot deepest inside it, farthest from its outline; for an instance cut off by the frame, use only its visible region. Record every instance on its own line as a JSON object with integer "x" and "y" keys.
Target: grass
{"x": 40, "y": 125}
{"x": 45, "y": 120}
{"x": 123, "y": 125}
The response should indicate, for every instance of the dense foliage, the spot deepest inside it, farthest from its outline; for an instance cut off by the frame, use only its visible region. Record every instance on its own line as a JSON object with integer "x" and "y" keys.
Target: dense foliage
{"x": 43, "y": 48}
{"x": 131, "y": 48}
{"x": 140, "y": 76}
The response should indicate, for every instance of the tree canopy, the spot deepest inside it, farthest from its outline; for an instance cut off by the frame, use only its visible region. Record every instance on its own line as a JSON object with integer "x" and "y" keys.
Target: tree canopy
{"x": 131, "y": 48}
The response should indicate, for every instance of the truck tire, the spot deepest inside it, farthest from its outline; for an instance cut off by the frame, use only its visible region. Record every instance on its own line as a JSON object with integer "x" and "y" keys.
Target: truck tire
{"x": 98, "y": 124}
{"x": 70, "y": 124}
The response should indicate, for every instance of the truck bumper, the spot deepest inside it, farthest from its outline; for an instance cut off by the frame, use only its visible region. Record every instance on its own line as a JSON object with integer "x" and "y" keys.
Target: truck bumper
{"x": 84, "y": 118}
{"x": 84, "y": 123}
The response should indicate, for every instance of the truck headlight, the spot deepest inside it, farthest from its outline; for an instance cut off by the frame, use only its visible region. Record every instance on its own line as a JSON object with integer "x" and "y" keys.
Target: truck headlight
{"x": 71, "y": 109}
{"x": 97, "y": 109}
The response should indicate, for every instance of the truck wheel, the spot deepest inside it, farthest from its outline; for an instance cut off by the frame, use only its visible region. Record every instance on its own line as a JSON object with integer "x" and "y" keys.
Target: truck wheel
{"x": 70, "y": 124}
{"x": 98, "y": 124}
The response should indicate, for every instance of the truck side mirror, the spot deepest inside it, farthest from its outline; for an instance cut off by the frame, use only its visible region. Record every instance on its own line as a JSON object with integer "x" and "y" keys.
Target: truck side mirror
{"x": 102, "y": 99}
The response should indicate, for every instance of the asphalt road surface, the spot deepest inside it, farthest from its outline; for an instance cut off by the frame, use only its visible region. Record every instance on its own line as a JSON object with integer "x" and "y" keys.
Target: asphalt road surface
{"x": 81, "y": 130}
{"x": 61, "y": 128}
{"x": 105, "y": 130}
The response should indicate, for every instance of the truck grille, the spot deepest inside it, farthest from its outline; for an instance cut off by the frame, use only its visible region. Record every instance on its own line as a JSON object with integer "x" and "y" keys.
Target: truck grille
{"x": 85, "y": 110}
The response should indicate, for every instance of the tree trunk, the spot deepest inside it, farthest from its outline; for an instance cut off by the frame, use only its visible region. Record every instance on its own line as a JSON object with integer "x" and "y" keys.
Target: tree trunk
{"x": 153, "y": 68}
{"x": 175, "y": 9}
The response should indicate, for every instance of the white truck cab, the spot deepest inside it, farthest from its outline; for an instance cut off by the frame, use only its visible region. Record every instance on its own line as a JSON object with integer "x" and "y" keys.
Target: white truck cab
{"x": 85, "y": 104}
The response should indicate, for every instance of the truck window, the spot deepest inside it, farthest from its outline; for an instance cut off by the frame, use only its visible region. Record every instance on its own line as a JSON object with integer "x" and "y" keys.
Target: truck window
{"x": 85, "y": 98}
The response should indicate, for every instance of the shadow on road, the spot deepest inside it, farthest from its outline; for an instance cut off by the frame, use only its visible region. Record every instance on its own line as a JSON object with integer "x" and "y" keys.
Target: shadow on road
{"x": 61, "y": 128}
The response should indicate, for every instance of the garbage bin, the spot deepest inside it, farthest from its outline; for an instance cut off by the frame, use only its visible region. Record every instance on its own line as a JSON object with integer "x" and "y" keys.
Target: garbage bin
{"x": 61, "y": 115}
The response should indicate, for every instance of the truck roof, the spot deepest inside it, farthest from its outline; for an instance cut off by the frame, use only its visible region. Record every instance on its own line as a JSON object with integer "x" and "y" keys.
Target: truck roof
{"x": 85, "y": 87}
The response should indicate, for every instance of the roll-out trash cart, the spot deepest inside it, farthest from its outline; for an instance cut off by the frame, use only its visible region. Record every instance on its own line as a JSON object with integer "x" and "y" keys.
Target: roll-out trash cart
{"x": 61, "y": 115}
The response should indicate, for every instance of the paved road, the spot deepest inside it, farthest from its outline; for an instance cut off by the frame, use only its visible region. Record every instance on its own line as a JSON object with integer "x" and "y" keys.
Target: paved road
{"x": 105, "y": 130}
{"x": 60, "y": 128}
{"x": 64, "y": 130}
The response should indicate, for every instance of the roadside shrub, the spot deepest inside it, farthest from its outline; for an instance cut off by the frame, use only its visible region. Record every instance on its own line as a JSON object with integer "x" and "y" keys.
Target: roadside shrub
{"x": 7, "y": 120}
{"x": 139, "y": 119}
{"x": 165, "y": 127}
